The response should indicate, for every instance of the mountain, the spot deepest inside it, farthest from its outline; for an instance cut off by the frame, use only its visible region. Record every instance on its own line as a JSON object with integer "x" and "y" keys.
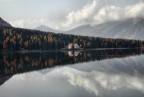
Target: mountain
{"x": 132, "y": 28}
{"x": 3, "y": 23}
{"x": 46, "y": 28}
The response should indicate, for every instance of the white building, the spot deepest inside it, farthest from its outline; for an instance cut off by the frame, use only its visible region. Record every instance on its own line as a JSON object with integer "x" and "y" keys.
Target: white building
{"x": 73, "y": 46}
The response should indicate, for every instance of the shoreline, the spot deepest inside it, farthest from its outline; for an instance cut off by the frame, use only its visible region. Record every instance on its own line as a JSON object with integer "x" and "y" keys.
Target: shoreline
{"x": 66, "y": 50}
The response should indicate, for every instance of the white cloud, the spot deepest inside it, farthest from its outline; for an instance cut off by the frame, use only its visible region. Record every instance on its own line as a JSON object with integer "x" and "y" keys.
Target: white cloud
{"x": 81, "y": 15}
{"x": 135, "y": 10}
{"x": 98, "y": 12}
{"x": 109, "y": 13}
{"x": 29, "y": 23}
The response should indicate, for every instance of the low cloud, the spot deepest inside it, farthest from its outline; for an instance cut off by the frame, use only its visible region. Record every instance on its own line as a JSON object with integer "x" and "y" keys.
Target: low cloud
{"x": 96, "y": 12}
{"x": 81, "y": 15}
{"x": 99, "y": 12}
{"x": 109, "y": 13}
{"x": 28, "y": 23}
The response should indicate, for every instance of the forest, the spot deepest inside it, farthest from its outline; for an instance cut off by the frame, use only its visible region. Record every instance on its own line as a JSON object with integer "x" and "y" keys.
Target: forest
{"x": 14, "y": 39}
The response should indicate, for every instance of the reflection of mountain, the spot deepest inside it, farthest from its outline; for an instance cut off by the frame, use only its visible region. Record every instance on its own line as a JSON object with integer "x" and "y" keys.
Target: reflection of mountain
{"x": 120, "y": 76}
{"x": 45, "y": 71}
{"x": 104, "y": 79}
{"x": 3, "y": 79}
{"x": 130, "y": 29}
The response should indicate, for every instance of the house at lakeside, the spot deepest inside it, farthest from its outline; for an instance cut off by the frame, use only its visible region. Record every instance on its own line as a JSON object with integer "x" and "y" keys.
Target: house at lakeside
{"x": 73, "y": 46}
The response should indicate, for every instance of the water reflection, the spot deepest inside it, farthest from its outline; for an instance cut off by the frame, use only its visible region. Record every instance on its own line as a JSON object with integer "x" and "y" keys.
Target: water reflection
{"x": 13, "y": 63}
{"x": 73, "y": 53}
{"x": 105, "y": 85}
{"x": 112, "y": 73}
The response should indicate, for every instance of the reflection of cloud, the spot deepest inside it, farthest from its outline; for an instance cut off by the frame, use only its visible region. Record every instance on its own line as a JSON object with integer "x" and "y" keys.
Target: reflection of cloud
{"x": 116, "y": 81}
{"x": 80, "y": 79}
{"x": 118, "y": 77}
{"x": 95, "y": 82}
{"x": 99, "y": 82}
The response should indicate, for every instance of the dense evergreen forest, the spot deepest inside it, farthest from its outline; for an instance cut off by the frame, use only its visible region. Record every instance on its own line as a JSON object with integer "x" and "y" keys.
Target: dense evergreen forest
{"x": 14, "y": 39}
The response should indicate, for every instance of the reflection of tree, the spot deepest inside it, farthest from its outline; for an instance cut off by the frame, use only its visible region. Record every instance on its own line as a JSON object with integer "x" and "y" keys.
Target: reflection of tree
{"x": 12, "y": 63}
{"x": 3, "y": 79}
{"x": 73, "y": 53}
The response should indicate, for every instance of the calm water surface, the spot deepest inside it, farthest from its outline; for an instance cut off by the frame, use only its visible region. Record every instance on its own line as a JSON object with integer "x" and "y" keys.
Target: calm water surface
{"x": 110, "y": 73}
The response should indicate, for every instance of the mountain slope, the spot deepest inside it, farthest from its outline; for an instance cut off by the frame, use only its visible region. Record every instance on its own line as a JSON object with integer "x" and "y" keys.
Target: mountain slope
{"x": 46, "y": 28}
{"x": 4, "y": 23}
{"x": 132, "y": 28}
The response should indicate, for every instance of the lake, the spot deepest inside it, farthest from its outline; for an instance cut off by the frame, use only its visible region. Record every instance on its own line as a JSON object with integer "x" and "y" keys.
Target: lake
{"x": 90, "y": 73}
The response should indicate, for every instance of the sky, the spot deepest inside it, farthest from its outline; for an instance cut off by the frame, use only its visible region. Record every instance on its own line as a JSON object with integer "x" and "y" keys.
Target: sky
{"x": 67, "y": 14}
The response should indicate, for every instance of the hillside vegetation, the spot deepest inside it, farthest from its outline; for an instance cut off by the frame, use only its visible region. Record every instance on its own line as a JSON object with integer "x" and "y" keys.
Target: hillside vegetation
{"x": 14, "y": 39}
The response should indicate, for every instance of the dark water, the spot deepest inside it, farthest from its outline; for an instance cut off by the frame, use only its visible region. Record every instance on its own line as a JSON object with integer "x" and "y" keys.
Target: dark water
{"x": 93, "y": 73}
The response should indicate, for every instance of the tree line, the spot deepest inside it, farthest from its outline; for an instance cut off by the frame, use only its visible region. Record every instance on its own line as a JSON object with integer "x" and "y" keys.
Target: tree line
{"x": 26, "y": 39}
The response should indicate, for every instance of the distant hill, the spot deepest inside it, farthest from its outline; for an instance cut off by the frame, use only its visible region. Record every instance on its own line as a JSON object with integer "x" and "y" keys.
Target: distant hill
{"x": 46, "y": 28}
{"x": 132, "y": 28}
{"x": 3, "y": 23}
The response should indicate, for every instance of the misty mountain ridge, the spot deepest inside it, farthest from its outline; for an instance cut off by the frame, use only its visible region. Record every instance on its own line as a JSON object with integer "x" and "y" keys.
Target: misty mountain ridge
{"x": 132, "y": 28}
{"x": 3, "y": 23}
{"x": 47, "y": 29}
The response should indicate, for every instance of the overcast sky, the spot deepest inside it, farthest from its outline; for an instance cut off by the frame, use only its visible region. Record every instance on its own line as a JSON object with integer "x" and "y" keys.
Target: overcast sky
{"x": 66, "y": 14}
